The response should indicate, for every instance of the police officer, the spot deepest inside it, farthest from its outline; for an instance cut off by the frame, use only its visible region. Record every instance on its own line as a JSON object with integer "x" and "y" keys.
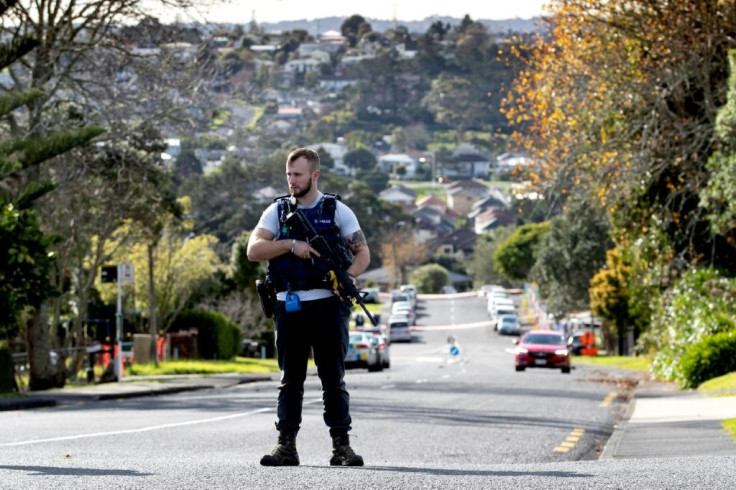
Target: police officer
{"x": 308, "y": 313}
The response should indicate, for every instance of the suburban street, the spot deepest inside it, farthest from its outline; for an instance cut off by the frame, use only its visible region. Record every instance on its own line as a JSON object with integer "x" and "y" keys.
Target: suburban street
{"x": 433, "y": 420}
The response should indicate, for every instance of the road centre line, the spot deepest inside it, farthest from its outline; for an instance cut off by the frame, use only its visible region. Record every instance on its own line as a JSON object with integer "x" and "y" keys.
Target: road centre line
{"x": 608, "y": 399}
{"x": 147, "y": 429}
{"x": 450, "y": 327}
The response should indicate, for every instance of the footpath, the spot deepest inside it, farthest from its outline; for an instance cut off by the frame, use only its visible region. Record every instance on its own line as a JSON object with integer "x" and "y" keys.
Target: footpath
{"x": 661, "y": 421}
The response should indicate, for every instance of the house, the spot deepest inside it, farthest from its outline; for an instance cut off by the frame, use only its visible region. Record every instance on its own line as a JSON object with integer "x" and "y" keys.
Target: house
{"x": 491, "y": 219}
{"x": 458, "y": 244}
{"x": 474, "y": 163}
{"x": 392, "y": 162}
{"x": 337, "y": 151}
{"x": 506, "y": 162}
{"x": 398, "y": 194}
{"x": 433, "y": 202}
{"x": 332, "y": 38}
{"x": 461, "y": 195}
{"x": 302, "y": 65}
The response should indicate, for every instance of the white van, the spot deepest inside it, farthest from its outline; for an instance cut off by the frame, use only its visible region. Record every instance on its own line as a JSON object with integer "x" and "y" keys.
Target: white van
{"x": 399, "y": 329}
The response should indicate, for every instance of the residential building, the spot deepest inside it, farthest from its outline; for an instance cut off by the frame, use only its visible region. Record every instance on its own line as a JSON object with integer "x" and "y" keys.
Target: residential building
{"x": 461, "y": 195}
{"x": 398, "y": 194}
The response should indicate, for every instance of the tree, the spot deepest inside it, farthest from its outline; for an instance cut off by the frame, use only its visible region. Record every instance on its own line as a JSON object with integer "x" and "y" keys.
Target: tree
{"x": 25, "y": 260}
{"x": 325, "y": 159}
{"x": 186, "y": 165}
{"x": 430, "y": 278}
{"x": 400, "y": 251}
{"x": 718, "y": 197}
{"x": 182, "y": 263}
{"x": 480, "y": 264}
{"x": 632, "y": 129}
{"x": 243, "y": 272}
{"x": 360, "y": 159}
{"x": 355, "y": 27}
{"x": 569, "y": 256}
{"x": 610, "y": 294}
{"x": 515, "y": 257}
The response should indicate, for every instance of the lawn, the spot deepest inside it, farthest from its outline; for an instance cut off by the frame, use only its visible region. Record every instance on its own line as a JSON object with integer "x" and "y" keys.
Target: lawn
{"x": 243, "y": 365}
{"x": 623, "y": 362}
{"x": 725, "y": 384}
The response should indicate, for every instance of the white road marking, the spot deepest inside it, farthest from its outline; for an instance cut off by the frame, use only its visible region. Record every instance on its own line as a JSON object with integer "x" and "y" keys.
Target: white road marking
{"x": 147, "y": 429}
{"x": 452, "y": 327}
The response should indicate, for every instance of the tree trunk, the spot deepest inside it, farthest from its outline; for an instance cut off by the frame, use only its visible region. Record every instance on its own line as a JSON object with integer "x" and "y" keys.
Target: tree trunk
{"x": 152, "y": 305}
{"x": 43, "y": 373}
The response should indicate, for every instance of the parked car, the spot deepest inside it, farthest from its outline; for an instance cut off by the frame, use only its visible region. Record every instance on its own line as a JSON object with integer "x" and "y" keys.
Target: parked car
{"x": 411, "y": 290}
{"x": 486, "y": 289}
{"x": 399, "y": 329}
{"x": 404, "y": 307}
{"x": 370, "y": 295}
{"x": 508, "y": 325}
{"x": 499, "y": 311}
{"x": 449, "y": 290}
{"x": 397, "y": 296}
{"x": 362, "y": 352}
{"x": 384, "y": 358}
{"x": 542, "y": 348}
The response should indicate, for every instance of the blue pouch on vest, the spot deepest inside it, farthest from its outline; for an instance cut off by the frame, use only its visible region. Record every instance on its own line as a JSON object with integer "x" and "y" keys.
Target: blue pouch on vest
{"x": 292, "y": 302}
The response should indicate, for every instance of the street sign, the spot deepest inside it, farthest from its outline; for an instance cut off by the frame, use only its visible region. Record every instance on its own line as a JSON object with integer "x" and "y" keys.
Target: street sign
{"x": 126, "y": 272}
{"x": 109, "y": 274}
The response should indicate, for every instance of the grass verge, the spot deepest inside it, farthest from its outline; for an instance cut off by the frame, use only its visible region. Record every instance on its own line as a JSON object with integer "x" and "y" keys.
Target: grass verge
{"x": 10, "y": 396}
{"x": 725, "y": 383}
{"x": 730, "y": 426}
{"x": 243, "y": 365}
{"x": 623, "y": 362}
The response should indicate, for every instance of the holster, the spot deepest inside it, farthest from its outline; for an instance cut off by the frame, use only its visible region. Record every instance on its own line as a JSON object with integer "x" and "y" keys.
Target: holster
{"x": 267, "y": 297}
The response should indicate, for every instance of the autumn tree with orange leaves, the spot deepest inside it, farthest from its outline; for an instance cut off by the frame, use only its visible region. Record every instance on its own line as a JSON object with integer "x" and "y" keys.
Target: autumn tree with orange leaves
{"x": 618, "y": 106}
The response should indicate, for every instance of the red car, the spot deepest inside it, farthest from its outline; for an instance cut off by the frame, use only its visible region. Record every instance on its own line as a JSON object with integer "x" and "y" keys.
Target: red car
{"x": 542, "y": 348}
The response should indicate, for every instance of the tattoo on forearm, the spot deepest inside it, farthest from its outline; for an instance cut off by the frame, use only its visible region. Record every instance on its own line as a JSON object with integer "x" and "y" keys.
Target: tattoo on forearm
{"x": 356, "y": 240}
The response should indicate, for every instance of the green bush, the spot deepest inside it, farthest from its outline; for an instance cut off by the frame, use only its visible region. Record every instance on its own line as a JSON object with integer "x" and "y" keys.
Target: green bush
{"x": 217, "y": 337}
{"x": 429, "y": 278}
{"x": 700, "y": 305}
{"x": 710, "y": 358}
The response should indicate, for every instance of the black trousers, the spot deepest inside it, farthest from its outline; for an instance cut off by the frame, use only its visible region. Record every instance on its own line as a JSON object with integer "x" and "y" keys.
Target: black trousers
{"x": 322, "y": 326}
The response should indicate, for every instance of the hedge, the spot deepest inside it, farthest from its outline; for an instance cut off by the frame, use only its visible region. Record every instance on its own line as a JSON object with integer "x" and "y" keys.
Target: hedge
{"x": 217, "y": 337}
{"x": 712, "y": 357}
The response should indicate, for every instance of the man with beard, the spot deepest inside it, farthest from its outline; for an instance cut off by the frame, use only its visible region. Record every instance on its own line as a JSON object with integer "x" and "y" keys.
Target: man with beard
{"x": 308, "y": 314}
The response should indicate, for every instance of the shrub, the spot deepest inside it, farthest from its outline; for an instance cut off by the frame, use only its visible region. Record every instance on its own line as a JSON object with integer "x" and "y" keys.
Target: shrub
{"x": 217, "y": 337}
{"x": 429, "y": 278}
{"x": 710, "y": 358}
{"x": 701, "y": 304}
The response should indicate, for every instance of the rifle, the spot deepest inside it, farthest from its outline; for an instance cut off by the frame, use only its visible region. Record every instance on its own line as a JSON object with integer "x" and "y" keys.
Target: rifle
{"x": 329, "y": 260}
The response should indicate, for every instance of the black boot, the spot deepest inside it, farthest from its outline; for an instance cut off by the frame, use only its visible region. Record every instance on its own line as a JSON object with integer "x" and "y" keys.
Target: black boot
{"x": 342, "y": 453}
{"x": 284, "y": 454}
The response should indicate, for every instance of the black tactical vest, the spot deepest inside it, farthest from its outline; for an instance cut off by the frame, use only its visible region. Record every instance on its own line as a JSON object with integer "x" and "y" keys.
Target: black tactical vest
{"x": 288, "y": 272}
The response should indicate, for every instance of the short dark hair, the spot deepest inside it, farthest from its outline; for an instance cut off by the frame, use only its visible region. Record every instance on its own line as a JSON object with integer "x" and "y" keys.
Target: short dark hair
{"x": 311, "y": 156}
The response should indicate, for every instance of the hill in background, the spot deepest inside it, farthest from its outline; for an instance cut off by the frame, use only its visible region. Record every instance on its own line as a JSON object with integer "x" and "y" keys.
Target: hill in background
{"x": 317, "y": 26}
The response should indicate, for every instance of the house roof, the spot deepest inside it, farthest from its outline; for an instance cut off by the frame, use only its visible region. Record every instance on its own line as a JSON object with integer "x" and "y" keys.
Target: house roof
{"x": 461, "y": 239}
{"x": 496, "y": 214}
{"x": 432, "y": 201}
{"x": 396, "y": 158}
{"x": 399, "y": 188}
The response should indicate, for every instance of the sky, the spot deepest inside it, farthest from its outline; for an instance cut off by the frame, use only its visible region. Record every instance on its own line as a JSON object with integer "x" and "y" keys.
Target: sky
{"x": 241, "y": 11}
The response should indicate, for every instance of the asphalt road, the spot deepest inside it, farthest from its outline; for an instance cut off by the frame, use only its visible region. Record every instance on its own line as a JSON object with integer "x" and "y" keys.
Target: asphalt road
{"x": 433, "y": 420}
